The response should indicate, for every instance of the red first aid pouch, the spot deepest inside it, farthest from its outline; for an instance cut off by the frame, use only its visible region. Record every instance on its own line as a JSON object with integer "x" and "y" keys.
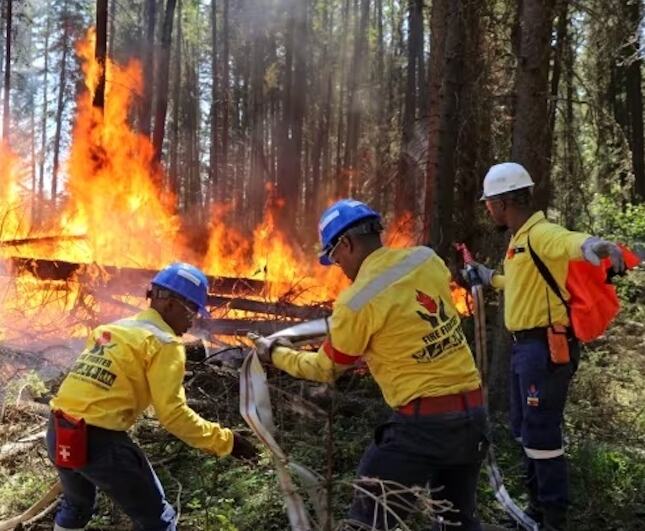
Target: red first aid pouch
{"x": 71, "y": 441}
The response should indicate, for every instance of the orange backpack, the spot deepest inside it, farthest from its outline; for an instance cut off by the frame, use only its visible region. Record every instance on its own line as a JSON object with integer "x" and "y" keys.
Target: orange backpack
{"x": 593, "y": 302}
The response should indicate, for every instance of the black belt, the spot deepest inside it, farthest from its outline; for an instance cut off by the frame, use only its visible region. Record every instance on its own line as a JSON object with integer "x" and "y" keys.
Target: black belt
{"x": 529, "y": 334}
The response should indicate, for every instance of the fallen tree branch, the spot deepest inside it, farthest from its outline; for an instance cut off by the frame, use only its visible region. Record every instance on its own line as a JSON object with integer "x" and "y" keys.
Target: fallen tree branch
{"x": 283, "y": 309}
{"x": 119, "y": 279}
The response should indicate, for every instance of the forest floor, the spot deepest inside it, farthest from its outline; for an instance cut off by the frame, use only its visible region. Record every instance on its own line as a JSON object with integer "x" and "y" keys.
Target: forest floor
{"x": 605, "y": 431}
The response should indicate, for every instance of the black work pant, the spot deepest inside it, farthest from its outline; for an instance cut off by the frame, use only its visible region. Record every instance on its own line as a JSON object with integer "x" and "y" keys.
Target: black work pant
{"x": 444, "y": 452}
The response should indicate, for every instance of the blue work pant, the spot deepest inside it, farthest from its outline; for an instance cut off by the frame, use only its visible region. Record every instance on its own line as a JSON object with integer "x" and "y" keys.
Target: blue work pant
{"x": 119, "y": 468}
{"x": 538, "y": 395}
{"x": 444, "y": 452}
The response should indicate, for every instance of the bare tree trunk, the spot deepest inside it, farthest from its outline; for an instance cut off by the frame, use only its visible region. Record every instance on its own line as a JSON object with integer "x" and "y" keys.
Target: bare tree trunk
{"x": 192, "y": 184}
{"x": 290, "y": 164}
{"x": 256, "y": 122}
{"x": 321, "y": 147}
{"x": 7, "y": 72}
{"x": 112, "y": 30}
{"x": 176, "y": 103}
{"x": 145, "y": 114}
{"x": 635, "y": 101}
{"x": 61, "y": 104}
{"x": 443, "y": 226}
{"x": 341, "y": 187}
{"x": 101, "y": 51}
{"x": 438, "y": 22}
{"x": 225, "y": 98}
{"x": 531, "y": 119}
{"x": 474, "y": 145}
{"x": 406, "y": 186}
{"x": 162, "y": 80}
{"x": 561, "y": 38}
{"x": 43, "y": 132}
{"x": 354, "y": 103}
{"x": 213, "y": 170}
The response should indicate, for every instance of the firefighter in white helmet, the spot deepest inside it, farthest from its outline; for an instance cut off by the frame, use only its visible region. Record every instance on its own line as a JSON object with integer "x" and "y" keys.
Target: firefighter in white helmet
{"x": 545, "y": 351}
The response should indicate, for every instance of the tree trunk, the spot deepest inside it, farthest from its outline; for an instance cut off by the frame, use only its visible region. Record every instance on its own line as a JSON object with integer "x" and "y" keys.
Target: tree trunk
{"x": 60, "y": 107}
{"x": 176, "y": 103}
{"x": 255, "y": 115}
{"x": 406, "y": 186}
{"x": 474, "y": 145}
{"x": 341, "y": 185}
{"x": 320, "y": 158}
{"x": 43, "y": 132}
{"x": 438, "y": 21}
{"x": 112, "y": 30}
{"x": 560, "y": 43}
{"x": 381, "y": 96}
{"x": 145, "y": 115}
{"x": 101, "y": 51}
{"x": 192, "y": 181}
{"x": 635, "y": 101}
{"x": 7, "y": 73}
{"x": 162, "y": 80}
{"x": 531, "y": 117}
{"x": 289, "y": 175}
{"x": 225, "y": 99}
{"x": 354, "y": 102}
{"x": 213, "y": 170}
{"x": 442, "y": 227}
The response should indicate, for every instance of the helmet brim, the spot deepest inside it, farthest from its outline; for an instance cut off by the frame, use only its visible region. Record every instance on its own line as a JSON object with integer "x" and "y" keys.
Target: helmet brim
{"x": 324, "y": 260}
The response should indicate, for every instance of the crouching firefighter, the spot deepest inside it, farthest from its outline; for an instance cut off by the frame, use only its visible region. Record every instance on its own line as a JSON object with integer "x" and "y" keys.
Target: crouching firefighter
{"x": 126, "y": 366}
{"x": 545, "y": 351}
{"x": 398, "y": 316}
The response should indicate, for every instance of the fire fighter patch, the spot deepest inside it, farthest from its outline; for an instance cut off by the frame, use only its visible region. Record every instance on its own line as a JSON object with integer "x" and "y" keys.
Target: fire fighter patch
{"x": 532, "y": 397}
{"x": 513, "y": 251}
{"x": 446, "y": 333}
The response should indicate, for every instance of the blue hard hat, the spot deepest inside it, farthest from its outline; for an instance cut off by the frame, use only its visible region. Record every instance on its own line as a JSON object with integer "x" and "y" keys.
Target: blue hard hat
{"x": 186, "y": 281}
{"x": 337, "y": 219}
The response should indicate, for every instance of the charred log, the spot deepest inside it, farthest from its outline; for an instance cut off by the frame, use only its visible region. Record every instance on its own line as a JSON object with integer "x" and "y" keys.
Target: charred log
{"x": 119, "y": 279}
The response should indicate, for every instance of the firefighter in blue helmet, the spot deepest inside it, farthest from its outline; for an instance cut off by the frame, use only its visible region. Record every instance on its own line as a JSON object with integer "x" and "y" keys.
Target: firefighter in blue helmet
{"x": 399, "y": 317}
{"x": 127, "y": 366}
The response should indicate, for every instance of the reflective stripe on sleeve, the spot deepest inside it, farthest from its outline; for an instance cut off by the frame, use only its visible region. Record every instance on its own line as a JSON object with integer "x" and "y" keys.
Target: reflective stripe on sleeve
{"x": 162, "y": 336}
{"x": 388, "y": 277}
{"x": 543, "y": 454}
{"x": 337, "y": 356}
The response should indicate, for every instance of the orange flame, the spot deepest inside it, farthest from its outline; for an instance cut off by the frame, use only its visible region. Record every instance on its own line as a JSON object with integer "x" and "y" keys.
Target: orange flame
{"x": 115, "y": 204}
{"x": 114, "y": 199}
{"x": 12, "y": 209}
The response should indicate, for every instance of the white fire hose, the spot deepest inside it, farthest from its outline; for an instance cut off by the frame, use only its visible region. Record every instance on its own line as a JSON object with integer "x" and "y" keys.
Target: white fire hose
{"x": 255, "y": 407}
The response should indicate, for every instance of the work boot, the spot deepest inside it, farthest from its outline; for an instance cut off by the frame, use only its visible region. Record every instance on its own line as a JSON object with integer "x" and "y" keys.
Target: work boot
{"x": 554, "y": 518}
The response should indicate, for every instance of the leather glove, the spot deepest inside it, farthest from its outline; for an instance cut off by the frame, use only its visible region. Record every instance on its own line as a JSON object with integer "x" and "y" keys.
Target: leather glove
{"x": 485, "y": 273}
{"x": 594, "y": 249}
{"x": 244, "y": 449}
{"x": 264, "y": 345}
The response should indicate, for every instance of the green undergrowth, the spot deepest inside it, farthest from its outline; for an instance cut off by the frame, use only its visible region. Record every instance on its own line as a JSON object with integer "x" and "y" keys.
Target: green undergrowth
{"x": 605, "y": 432}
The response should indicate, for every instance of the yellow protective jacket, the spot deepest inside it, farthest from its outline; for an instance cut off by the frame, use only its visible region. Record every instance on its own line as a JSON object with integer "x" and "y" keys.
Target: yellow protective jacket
{"x": 528, "y": 301}
{"x": 399, "y": 317}
{"x": 127, "y": 366}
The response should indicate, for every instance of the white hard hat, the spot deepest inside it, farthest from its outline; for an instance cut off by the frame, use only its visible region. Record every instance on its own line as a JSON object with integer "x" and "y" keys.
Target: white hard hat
{"x": 505, "y": 177}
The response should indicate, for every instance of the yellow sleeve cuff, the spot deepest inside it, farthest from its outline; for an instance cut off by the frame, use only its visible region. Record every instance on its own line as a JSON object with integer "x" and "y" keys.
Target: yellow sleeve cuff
{"x": 574, "y": 245}
{"x": 315, "y": 366}
{"x": 498, "y": 281}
